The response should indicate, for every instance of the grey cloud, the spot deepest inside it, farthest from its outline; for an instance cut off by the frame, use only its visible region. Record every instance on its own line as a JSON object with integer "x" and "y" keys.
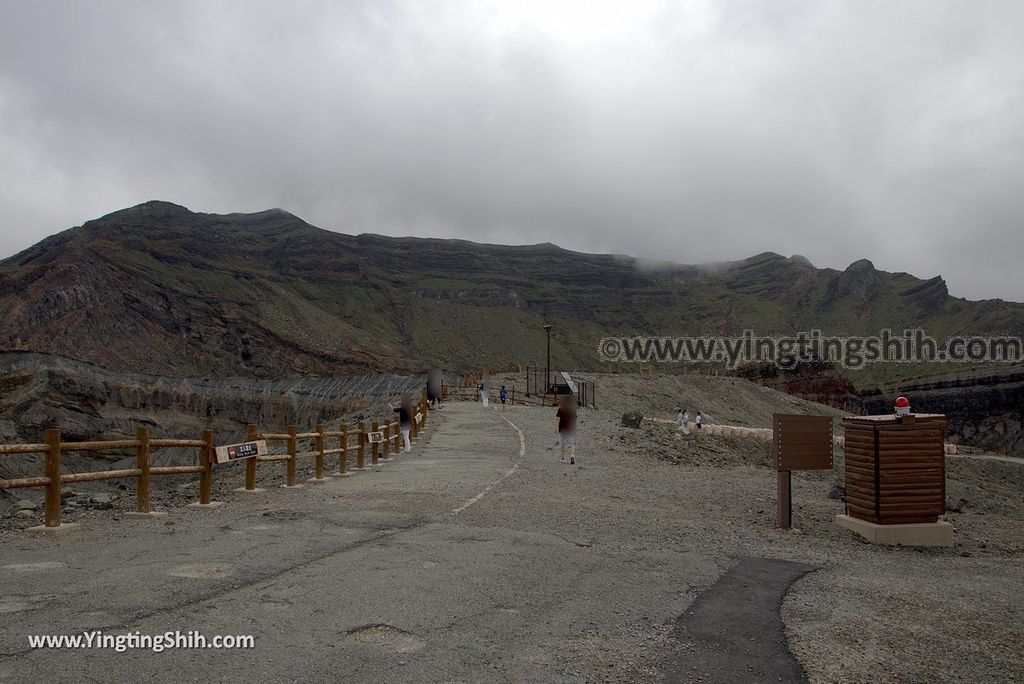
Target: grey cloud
{"x": 698, "y": 132}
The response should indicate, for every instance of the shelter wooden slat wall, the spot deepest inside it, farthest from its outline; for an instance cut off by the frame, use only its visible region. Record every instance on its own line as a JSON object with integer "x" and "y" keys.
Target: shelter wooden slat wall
{"x": 895, "y": 468}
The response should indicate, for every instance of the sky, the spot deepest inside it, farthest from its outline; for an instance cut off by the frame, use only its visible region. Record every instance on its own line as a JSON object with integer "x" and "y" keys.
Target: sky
{"x": 683, "y": 131}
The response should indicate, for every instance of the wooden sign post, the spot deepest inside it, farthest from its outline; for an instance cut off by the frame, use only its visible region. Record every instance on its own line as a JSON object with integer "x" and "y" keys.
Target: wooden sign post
{"x": 801, "y": 443}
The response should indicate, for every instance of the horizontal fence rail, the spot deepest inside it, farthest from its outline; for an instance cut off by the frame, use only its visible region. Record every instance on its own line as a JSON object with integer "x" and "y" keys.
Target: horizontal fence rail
{"x": 317, "y": 445}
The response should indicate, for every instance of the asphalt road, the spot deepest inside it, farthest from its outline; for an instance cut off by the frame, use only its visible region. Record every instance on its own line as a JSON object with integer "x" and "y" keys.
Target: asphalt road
{"x": 479, "y": 557}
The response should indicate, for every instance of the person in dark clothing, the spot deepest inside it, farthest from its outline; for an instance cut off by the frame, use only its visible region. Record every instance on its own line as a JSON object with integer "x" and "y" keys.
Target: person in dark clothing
{"x": 434, "y": 390}
{"x": 565, "y": 423}
{"x": 404, "y": 412}
{"x": 503, "y": 396}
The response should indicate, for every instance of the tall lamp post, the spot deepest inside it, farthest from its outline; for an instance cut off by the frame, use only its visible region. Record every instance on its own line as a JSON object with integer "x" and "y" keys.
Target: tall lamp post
{"x": 547, "y": 373}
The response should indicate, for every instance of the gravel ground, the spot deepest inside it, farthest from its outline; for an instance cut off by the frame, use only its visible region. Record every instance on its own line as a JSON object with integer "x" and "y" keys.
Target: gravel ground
{"x": 869, "y": 613}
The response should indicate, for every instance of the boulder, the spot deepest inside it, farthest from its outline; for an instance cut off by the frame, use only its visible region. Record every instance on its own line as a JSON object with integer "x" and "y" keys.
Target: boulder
{"x": 838, "y": 492}
{"x": 632, "y": 419}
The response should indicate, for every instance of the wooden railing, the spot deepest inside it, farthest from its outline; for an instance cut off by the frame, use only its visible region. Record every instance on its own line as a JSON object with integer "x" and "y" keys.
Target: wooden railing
{"x": 53, "y": 478}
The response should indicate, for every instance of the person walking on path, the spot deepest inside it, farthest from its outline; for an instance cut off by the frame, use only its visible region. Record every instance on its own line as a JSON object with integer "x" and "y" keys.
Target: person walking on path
{"x": 485, "y": 390}
{"x": 434, "y": 390}
{"x": 565, "y": 423}
{"x": 503, "y": 396}
{"x": 404, "y": 412}
{"x": 683, "y": 419}
{"x": 699, "y": 420}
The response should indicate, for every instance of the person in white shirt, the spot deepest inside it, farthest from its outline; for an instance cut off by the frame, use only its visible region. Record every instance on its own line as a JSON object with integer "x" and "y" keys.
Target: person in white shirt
{"x": 683, "y": 419}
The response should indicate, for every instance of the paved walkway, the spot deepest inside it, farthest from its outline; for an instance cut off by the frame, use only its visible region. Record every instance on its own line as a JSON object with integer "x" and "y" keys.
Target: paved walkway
{"x": 477, "y": 558}
{"x": 733, "y": 633}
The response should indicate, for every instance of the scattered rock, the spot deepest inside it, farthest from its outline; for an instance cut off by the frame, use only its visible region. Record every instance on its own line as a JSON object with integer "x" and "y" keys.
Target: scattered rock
{"x": 838, "y": 492}
{"x": 67, "y": 493}
{"x": 632, "y": 419}
{"x": 101, "y": 505}
{"x": 23, "y": 505}
{"x": 25, "y": 513}
{"x": 101, "y": 500}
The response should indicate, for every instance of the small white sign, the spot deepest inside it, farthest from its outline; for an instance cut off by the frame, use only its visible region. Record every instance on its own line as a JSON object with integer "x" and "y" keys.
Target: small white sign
{"x": 375, "y": 437}
{"x": 419, "y": 417}
{"x": 570, "y": 383}
{"x": 236, "y": 452}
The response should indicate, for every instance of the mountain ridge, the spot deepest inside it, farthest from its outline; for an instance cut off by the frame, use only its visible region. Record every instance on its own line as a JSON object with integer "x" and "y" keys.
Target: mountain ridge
{"x": 160, "y": 289}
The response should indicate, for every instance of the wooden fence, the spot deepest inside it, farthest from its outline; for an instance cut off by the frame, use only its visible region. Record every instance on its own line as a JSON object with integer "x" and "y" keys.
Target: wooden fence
{"x": 52, "y": 448}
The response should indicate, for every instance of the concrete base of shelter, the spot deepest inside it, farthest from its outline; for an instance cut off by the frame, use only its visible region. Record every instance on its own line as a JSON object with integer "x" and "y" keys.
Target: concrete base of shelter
{"x": 912, "y": 534}
{"x": 63, "y": 527}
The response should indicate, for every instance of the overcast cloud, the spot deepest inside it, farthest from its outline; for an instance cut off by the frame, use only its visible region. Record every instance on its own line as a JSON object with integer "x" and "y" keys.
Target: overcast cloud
{"x": 691, "y": 132}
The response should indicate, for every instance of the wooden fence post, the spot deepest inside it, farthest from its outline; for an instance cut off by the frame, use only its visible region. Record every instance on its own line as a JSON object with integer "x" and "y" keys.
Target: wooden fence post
{"x": 206, "y": 477}
{"x": 387, "y": 442}
{"x": 375, "y": 448}
{"x": 361, "y": 453}
{"x": 343, "y": 456}
{"x": 142, "y": 463}
{"x": 319, "y": 454}
{"x": 292, "y": 455}
{"x": 52, "y": 506}
{"x": 252, "y": 433}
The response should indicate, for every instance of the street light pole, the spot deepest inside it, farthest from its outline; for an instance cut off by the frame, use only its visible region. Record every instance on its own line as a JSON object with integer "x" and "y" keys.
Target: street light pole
{"x": 547, "y": 372}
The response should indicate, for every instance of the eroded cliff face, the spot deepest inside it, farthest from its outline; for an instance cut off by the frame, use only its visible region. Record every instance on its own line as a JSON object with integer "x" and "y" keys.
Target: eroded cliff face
{"x": 814, "y": 381}
{"x": 983, "y": 405}
{"x": 86, "y": 402}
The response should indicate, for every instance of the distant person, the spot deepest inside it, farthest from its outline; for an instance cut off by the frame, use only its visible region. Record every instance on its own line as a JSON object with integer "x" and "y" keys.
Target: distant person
{"x": 699, "y": 420}
{"x": 683, "y": 419}
{"x": 565, "y": 423}
{"x": 503, "y": 396}
{"x": 485, "y": 390}
{"x": 404, "y": 412}
{"x": 434, "y": 389}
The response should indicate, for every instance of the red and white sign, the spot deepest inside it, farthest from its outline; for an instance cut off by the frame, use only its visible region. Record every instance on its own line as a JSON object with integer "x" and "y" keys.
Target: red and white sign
{"x": 237, "y": 452}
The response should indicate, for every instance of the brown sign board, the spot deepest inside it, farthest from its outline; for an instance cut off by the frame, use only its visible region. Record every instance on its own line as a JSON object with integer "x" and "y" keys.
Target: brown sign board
{"x": 802, "y": 442}
{"x": 235, "y": 452}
